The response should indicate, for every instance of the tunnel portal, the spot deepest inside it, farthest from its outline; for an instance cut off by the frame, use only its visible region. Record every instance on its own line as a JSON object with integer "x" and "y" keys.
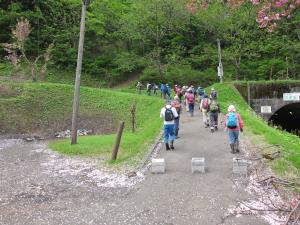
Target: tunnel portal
{"x": 287, "y": 118}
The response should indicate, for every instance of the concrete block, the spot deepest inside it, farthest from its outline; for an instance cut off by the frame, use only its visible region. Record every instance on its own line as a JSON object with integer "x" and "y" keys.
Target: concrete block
{"x": 239, "y": 166}
{"x": 198, "y": 165}
{"x": 158, "y": 166}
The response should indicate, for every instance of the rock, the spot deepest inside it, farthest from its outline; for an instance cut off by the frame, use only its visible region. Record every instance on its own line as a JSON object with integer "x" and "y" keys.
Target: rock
{"x": 28, "y": 139}
{"x": 131, "y": 174}
{"x": 39, "y": 138}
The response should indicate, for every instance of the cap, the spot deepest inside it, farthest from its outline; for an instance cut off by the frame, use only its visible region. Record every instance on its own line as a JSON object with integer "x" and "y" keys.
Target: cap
{"x": 231, "y": 108}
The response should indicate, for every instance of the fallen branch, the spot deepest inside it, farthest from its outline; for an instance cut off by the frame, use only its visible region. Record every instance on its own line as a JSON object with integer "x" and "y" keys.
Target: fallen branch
{"x": 296, "y": 220}
{"x": 292, "y": 212}
{"x": 266, "y": 210}
{"x": 280, "y": 181}
{"x": 271, "y": 156}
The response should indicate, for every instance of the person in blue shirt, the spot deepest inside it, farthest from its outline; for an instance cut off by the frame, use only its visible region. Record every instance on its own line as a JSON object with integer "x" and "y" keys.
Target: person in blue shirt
{"x": 162, "y": 91}
{"x": 168, "y": 91}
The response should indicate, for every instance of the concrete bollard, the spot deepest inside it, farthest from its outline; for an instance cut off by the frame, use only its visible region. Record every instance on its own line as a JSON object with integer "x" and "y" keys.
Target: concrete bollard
{"x": 198, "y": 165}
{"x": 239, "y": 166}
{"x": 158, "y": 166}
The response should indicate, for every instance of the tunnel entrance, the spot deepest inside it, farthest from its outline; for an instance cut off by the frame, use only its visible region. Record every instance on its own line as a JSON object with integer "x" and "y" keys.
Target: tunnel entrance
{"x": 287, "y": 118}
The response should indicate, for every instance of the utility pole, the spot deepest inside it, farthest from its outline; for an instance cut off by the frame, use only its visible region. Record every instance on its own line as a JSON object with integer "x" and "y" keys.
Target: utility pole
{"x": 220, "y": 67}
{"x": 78, "y": 72}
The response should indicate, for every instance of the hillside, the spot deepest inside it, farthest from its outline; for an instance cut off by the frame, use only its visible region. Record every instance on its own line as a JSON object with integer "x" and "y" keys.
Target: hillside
{"x": 46, "y": 108}
{"x": 263, "y": 135}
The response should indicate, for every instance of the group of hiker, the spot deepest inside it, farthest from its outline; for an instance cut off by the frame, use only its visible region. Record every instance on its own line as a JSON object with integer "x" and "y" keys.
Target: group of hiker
{"x": 210, "y": 108}
{"x": 149, "y": 88}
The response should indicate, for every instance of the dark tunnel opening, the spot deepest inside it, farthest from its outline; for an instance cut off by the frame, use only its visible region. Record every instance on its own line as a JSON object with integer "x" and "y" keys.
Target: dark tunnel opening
{"x": 287, "y": 118}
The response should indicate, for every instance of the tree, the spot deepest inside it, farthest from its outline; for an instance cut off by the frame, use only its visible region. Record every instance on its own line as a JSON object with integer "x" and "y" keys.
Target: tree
{"x": 269, "y": 13}
{"x": 20, "y": 35}
{"x": 151, "y": 24}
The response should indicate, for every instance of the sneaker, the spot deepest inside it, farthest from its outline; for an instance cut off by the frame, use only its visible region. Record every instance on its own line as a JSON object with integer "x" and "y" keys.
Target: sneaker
{"x": 167, "y": 147}
{"x": 212, "y": 129}
{"x": 172, "y": 147}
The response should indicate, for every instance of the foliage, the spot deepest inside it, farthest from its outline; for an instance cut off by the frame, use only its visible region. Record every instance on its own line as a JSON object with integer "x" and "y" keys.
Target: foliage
{"x": 123, "y": 37}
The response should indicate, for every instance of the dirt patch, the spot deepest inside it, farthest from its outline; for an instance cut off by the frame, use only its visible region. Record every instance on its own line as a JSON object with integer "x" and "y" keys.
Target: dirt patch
{"x": 97, "y": 124}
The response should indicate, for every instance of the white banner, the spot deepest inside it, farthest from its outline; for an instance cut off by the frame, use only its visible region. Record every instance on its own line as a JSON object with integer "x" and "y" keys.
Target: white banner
{"x": 291, "y": 96}
{"x": 266, "y": 109}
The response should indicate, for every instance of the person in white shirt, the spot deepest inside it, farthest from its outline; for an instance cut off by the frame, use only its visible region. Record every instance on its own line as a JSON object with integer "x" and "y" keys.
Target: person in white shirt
{"x": 168, "y": 114}
{"x": 204, "y": 109}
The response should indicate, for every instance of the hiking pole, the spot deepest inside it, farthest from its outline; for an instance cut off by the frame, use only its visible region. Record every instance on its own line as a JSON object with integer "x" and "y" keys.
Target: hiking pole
{"x": 117, "y": 142}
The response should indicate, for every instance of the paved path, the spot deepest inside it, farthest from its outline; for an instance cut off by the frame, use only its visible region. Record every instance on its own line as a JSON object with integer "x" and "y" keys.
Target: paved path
{"x": 31, "y": 196}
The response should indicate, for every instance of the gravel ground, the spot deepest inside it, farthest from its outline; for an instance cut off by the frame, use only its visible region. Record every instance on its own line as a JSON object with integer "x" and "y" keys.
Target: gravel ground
{"x": 40, "y": 187}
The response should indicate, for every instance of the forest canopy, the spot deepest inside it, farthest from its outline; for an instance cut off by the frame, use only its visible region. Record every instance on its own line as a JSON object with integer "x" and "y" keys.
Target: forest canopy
{"x": 161, "y": 40}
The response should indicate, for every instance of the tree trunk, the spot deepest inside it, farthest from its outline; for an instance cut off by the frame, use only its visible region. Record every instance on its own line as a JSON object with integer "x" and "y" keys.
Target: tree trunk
{"x": 78, "y": 74}
{"x": 33, "y": 73}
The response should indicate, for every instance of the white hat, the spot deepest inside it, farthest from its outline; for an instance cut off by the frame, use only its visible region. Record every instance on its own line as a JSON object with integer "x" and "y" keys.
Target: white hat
{"x": 231, "y": 108}
{"x": 212, "y": 89}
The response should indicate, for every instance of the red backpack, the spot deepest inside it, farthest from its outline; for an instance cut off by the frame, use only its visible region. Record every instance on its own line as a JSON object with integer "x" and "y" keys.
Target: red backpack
{"x": 205, "y": 103}
{"x": 190, "y": 98}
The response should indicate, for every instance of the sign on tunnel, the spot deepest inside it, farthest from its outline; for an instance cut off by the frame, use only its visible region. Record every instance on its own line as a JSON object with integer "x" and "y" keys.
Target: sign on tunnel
{"x": 291, "y": 96}
{"x": 266, "y": 109}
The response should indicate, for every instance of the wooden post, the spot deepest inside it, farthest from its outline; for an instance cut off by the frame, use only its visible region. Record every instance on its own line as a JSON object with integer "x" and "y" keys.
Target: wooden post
{"x": 133, "y": 110}
{"x": 118, "y": 140}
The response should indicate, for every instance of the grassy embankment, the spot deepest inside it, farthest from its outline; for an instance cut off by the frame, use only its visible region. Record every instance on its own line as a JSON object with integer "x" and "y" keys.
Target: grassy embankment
{"x": 41, "y": 104}
{"x": 262, "y": 134}
{"x": 53, "y": 75}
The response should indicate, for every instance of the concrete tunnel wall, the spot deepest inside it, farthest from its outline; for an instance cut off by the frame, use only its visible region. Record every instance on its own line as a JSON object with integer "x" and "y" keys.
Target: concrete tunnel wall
{"x": 267, "y": 94}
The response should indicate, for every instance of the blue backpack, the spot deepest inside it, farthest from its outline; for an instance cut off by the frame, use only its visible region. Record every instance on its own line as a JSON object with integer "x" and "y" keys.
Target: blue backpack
{"x": 232, "y": 120}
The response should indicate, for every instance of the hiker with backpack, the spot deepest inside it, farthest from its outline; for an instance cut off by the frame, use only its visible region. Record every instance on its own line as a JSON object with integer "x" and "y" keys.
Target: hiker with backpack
{"x": 213, "y": 93}
{"x": 200, "y": 92}
{"x": 176, "y": 104}
{"x": 233, "y": 125}
{"x": 190, "y": 99}
{"x": 168, "y": 91}
{"x": 168, "y": 114}
{"x": 149, "y": 87}
{"x": 155, "y": 88}
{"x": 178, "y": 91}
{"x": 139, "y": 87}
{"x": 204, "y": 109}
{"x": 214, "y": 110}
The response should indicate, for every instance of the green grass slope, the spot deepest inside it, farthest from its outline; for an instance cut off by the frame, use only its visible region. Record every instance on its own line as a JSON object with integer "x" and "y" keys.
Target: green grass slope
{"x": 28, "y": 107}
{"x": 289, "y": 164}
